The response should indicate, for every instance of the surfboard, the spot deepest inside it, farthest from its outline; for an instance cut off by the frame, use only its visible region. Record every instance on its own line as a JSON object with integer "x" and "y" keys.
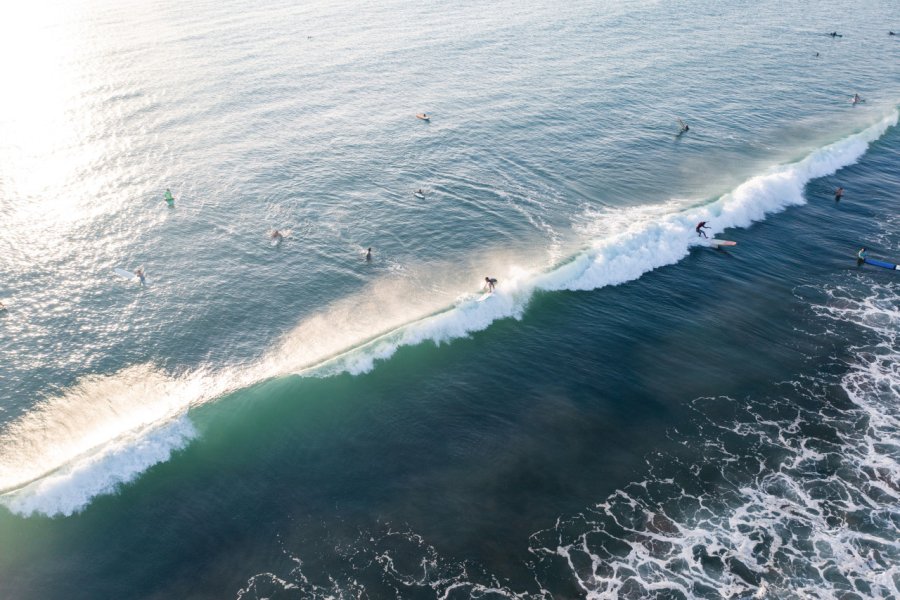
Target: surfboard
{"x": 716, "y": 243}
{"x": 125, "y": 274}
{"x": 423, "y": 116}
{"x": 485, "y": 296}
{"x": 418, "y": 195}
{"x": 883, "y": 264}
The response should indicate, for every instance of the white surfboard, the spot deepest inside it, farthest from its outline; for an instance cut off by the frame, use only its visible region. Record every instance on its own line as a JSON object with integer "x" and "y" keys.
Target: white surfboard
{"x": 419, "y": 195}
{"x": 716, "y": 243}
{"x": 125, "y": 274}
{"x": 485, "y": 296}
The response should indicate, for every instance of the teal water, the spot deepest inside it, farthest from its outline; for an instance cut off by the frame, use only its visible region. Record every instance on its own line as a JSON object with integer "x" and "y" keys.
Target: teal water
{"x": 632, "y": 414}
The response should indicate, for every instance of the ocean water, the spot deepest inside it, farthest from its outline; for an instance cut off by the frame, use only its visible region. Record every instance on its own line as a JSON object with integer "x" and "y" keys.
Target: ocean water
{"x": 632, "y": 414}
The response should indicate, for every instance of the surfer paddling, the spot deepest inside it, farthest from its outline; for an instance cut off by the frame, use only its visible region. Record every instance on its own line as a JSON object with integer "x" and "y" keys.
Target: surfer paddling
{"x": 856, "y": 99}
{"x": 699, "y": 229}
{"x": 490, "y": 283}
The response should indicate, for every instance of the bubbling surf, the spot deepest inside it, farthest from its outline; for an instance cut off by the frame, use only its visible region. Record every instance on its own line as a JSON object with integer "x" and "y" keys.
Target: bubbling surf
{"x": 137, "y": 417}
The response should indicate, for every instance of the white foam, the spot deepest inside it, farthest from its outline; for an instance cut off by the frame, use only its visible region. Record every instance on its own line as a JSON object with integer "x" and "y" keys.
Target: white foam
{"x": 86, "y": 424}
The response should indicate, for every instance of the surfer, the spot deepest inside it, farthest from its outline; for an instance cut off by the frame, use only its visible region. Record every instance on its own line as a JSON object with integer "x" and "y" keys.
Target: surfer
{"x": 369, "y": 254}
{"x": 490, "y": 283}
{"x": 838, "y": 194}
{"x": 862, "y": 255}
{"x": 684, "y": 126}
{"x": 835, "y": 34}
{"x": 277, "y": 236}
{"x": 419, "y": 192}
{"x": 424, "y": 116}
{"x": 140, "y": 274}
{"x": 857, "y": 99}
{"x": 891, "y": 33}
{"x": 170, "y": 200}
{"x": 700, "y": 227}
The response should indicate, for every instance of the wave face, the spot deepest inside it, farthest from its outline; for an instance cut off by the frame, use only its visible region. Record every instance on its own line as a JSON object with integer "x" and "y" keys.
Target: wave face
{"x": 106, "y": 430}
{"x": 793, "y": 494}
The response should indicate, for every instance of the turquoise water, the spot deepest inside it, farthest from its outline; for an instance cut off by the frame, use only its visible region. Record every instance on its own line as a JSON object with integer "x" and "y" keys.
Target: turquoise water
{"x": 632, "y": 414}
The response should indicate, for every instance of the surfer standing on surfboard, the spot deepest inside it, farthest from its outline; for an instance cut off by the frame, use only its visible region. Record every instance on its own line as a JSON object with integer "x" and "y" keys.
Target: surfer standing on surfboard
{"x": 490, "y": 283}
{"x": 700, "y": 227}
{"x": 140, "y": 274}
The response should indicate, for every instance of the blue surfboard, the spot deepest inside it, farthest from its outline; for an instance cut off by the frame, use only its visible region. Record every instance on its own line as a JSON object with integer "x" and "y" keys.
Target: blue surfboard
{"x": 881, "y": 263}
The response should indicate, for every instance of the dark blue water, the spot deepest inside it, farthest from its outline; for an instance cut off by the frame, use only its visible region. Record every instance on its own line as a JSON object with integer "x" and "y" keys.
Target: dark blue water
{"x": 633, "y": 414}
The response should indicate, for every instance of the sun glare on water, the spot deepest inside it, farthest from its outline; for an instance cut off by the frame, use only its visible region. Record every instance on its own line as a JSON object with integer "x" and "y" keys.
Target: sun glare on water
{"x": 41, "y": 121}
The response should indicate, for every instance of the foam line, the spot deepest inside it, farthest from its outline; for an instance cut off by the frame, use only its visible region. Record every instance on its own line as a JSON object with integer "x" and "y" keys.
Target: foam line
{"x": 106, "y": 430}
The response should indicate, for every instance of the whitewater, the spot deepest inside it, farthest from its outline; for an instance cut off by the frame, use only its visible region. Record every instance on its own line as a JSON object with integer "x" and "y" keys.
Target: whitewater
{"x": 106, "y": 430}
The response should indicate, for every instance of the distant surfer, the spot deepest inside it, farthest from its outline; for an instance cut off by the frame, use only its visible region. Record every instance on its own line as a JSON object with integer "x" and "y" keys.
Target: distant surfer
{"x": 684, "y": 126}
{"x": 490, "y": 283}
{"x": 423, "y": 116}
{"x": 891, "y": 33}
{"x": 419, "y": 192}
{"x": 139, "y": 272}
{"x": 861, "y": 256}
{"x": 369, "y": 254}
{"x": 817, "y": 55}
{"x": 838, "y": 194}
{"x": 700, "y": 227}
{"x": 856, "y": 99}
{"x": 835, "y": 34}
{"x": 276, "y": 236}
{"x": 170, "y": 200}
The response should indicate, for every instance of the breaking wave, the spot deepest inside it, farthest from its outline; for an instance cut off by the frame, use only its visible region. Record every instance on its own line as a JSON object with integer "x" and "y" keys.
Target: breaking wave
{"x": 106, "y": 430}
